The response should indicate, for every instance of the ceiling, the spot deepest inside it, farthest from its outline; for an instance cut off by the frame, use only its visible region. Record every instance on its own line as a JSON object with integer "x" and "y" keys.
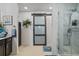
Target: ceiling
{"x": 35, "y": 6}
{"x": 43, "y": 6}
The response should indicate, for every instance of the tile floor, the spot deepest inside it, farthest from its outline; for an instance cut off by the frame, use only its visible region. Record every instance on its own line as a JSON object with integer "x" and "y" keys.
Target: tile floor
{"x": 30, "y": 51}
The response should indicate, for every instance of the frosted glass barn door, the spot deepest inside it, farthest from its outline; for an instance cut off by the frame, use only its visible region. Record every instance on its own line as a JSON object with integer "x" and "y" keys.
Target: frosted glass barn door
{"x": 39, "y": 30}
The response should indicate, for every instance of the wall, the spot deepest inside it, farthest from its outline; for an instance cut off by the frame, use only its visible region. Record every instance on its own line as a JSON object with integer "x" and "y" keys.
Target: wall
{"x": 27, "y": 39}
{"x": 57, "y": 17}
{"x": 11, "y": 9}
{"x": 27, "y": 33}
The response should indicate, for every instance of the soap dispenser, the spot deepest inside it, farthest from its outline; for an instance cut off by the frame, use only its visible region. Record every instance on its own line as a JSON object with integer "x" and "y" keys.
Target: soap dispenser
{"x": 14, "y": 31}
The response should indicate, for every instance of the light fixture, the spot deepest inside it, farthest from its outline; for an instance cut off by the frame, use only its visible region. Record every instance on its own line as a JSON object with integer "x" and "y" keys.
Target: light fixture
{"x": 50, "y": 8}
{"x": 25, "y": 7}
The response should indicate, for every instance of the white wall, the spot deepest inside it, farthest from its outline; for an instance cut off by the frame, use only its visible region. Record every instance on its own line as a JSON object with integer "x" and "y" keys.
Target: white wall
{"x": 49, "y": 30}
{"x": 11, "y": 9}
{"x": 27, "y": 34}
{"x": 27, "y": 39}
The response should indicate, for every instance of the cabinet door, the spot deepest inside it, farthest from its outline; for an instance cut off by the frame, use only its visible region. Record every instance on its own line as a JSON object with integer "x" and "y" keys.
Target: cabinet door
{"x": 2, "y": 48}
{"x": 8, "y": 46}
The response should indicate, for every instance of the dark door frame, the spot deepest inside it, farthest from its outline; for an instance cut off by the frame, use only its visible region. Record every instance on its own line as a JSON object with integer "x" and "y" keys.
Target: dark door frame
{"x": 19, "y": 33}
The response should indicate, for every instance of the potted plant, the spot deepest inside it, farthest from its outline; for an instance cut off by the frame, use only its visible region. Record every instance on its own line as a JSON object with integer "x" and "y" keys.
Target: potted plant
{"x": 26, "y": 23}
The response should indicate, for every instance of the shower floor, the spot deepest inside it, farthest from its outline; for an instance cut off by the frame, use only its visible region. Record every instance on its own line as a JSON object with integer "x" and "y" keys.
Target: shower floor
{"x": 68, "y": 51}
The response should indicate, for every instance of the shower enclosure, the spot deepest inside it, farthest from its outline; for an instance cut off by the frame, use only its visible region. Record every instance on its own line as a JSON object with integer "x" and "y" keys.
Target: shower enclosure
{"x": 68, "y": 33}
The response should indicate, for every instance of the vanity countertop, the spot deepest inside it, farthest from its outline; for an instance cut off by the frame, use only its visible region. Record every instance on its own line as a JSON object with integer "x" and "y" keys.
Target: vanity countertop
{"x": 8, "y": 36}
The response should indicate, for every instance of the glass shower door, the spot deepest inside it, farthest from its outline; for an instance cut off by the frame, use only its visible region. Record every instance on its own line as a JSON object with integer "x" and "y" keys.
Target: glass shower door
{"x": 64, "y": 33}
{"x": 68, "y": 35}
{"x": 75, "y": 41}
{"x": 75, "y": 33}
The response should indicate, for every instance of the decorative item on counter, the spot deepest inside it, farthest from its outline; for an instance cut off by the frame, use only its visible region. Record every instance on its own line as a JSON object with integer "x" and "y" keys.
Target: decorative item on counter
{"x": 8, "y": 20}
{"x": 3, "y": 32}
{"x": 14, "y": 31}
{"x": 26, "y": 23}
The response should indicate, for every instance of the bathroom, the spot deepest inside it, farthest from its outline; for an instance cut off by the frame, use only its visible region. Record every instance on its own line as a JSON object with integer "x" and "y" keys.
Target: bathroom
{"x": 62, "y": 17}
{"x": 62, "y": 26}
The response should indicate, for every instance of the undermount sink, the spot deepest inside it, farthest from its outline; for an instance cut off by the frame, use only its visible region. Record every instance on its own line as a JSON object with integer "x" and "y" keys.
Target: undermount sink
{"x": 3, "y": 33}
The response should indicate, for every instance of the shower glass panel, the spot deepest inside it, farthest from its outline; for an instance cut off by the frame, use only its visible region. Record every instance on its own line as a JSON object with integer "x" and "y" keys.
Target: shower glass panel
{"x": 75, "y": 43}
{"x": 75, "y": 33}
{"x": 67, "y": 47}
{"x": 68, "y": 34}
{"x": 64, "y": 34}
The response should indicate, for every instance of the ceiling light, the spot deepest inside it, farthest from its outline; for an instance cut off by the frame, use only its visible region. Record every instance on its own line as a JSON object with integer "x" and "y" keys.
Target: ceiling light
{"x": 25, "y": 7}
{"x": 50, "y": 8}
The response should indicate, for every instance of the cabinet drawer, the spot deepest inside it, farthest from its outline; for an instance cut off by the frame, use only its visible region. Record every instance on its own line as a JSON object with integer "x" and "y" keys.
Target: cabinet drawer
{"x": 2, "y": 42}
{"x": 8, "y": 40}
{"x": 8, "y": 46}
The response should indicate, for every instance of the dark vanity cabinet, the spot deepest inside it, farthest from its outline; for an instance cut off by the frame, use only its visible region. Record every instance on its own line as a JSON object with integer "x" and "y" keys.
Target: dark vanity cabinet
{"x": 2, "y": 47}
{"x": 6, "y": 46}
